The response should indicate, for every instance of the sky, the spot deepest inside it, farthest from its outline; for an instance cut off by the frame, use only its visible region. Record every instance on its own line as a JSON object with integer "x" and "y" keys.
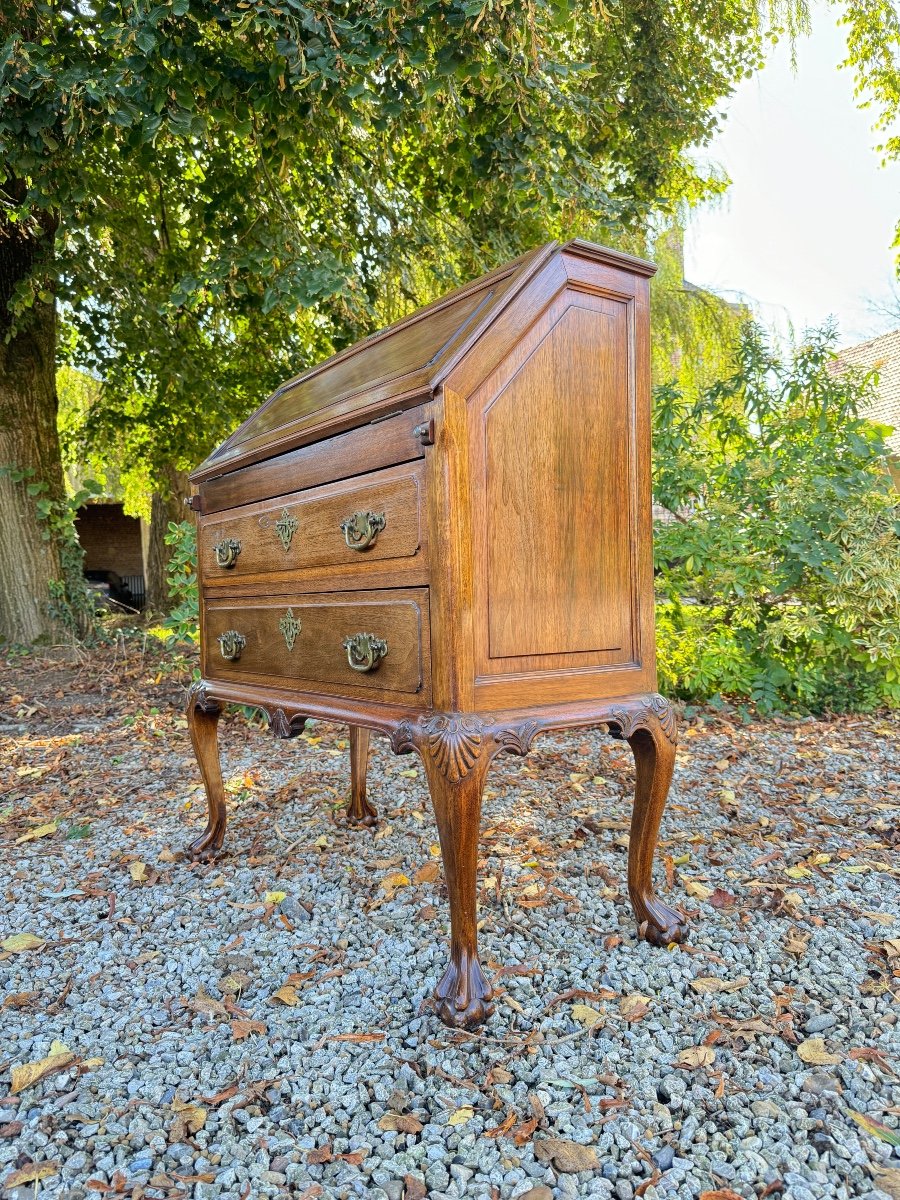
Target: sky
{"x": 805, "y": 230}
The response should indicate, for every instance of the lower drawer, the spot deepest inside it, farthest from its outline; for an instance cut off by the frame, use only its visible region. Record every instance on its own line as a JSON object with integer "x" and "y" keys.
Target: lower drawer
{"x": 352, "y": 643}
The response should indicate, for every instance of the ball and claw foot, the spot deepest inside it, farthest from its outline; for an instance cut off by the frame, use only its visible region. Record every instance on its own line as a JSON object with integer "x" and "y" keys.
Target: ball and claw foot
{"x": 204, "y": 849}
{"x": 364, "y": 814}
{"x": 663, "y": 925}
{"x": 463, "y": 997}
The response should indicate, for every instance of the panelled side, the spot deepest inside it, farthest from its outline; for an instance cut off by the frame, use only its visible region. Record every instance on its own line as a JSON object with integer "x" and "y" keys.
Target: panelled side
{"x": 559, "y": 447}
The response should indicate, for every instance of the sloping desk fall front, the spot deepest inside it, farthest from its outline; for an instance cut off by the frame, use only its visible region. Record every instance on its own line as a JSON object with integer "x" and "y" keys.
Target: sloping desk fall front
{"x": 443, "y": 534}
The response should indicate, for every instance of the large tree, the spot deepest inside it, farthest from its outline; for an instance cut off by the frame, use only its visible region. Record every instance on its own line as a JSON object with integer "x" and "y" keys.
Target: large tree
{"x": 219, "y": 190}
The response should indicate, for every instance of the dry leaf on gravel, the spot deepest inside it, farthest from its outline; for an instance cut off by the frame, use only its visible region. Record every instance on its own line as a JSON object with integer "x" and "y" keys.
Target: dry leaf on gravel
{"x": 892, "y": 947}
{"x": 887, "y": 1179}
{"x": 27, "y": 1076}
{"x": 189, "y": 1118}
{"x": 875, "y": 1129}
{"x": 241, "y": 1029}
{"x": 427, "y": 874}
{"x": 722, "y": 899}
{"x": 696, "y": 1056}
{"x": 31, "y": 1173}
{"x": 565, "y": 1155}
{"x": 461, "y": 1116}
{"x": 138, "y": 872}
{"x": 587, "y": 1016}
{"x": 813, "y": 1051}
{"x": 698, "y": 890}
{"x": 796, "y": 941}
{"x": 705, "y": 984}
{"x": 720, "y": 1194}
{"x": 202, "y": 1003}
{"x": 287, "y": 994}
{"x": 400, "y": 1123}
{"x": 18, "y": 942}
{"x": 393, "y": 882}
{"x": 635, "y": 1006}
{"x": 40, "y": 832}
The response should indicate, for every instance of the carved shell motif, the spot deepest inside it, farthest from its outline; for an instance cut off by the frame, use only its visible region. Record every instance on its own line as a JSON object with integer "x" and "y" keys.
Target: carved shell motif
{"x": 283, "y": 726}
{"x": 199, "y": 697}
{"x": 454, "y": 744}
{"x": 518, "y": 738}
{"x": 631, "y": 719}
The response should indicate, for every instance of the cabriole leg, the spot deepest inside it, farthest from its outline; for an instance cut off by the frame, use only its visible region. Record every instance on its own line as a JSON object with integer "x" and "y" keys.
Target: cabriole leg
{"x": 203, "y": 718}
{"x": 653, "y": 746}
{"x": 456, "y": 766}
{"x": 359, "y": 810}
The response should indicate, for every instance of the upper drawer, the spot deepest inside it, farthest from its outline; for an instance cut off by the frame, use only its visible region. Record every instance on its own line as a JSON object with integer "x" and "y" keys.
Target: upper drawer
{"x": 353, "y": 522}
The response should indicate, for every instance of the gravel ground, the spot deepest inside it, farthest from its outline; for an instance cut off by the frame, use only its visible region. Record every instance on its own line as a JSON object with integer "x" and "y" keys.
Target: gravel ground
{"x": 257, "y": 1028}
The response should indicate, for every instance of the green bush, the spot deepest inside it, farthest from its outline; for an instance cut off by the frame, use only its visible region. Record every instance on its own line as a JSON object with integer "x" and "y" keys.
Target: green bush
{"x": 779, "y": 578}
{"x": 181, "y": 577}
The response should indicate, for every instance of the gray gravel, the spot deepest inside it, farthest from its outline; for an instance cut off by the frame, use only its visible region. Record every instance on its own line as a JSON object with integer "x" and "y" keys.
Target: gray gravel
{"x": 159, "y": 977}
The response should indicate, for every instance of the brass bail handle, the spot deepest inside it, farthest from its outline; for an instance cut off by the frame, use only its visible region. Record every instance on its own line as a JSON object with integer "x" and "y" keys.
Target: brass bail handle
{"x": 226, "y": 552}
{"x": 364, "y": 651}
{"x": 231, "y": 643}
{"x": 361, "y": 530}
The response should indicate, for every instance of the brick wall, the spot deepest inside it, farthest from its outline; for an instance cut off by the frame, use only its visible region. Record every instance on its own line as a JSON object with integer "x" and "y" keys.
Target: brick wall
{"x": 111, "y": 541}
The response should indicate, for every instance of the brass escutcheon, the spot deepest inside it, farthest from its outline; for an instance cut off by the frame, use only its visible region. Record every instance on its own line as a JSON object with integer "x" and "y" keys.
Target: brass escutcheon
{"x": 290, "y": 627}
{"x": 364, "y": 651}
{"x": 361, "y": 530}
{"x": 226, "y": 552}
{"x": 286, "y": 527}
{"x": 231, "y": 643}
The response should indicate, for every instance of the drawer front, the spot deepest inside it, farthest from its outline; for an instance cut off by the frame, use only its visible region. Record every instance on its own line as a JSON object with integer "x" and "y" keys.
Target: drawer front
{"x": 339, "y": 525}
{"x": 346, "y": 642}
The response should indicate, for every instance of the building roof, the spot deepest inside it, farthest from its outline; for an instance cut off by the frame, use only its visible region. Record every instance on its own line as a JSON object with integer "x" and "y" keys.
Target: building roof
{"x": 881, "y": 354}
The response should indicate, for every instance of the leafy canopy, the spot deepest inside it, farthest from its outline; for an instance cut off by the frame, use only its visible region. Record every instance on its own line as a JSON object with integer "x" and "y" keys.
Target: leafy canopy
{"x": 243, "y": 186}
{"x": 781, "y": 570}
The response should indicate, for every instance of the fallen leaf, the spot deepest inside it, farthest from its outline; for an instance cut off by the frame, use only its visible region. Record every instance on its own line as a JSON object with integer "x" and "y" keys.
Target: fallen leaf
{"x": 17, "y": 942}
{"x": 11, "y": 1129}
{"x": 704, "y": 984}
{"x": 798, "y": 872}
{"x": 566, "y": 1155}
{"x": 720, "y": 1194}
{"x": 883, "y": 918}
{"x": 166, "y": 855}
{"x": 138, "y": 872}
{"x": 698, "y": 890}
{"x": 28, "y": 1075}
{"x": 323, "y": 1154}
{"x": 274, "y": 897}
{"x": 190, "y": 1118}
{"x": 589, "y": 1017}
{"x": 40, "y": 832}
{"x": 393, "y": 882}
{"x": 635, "y": 1006}
{"x": 287, "y": 994}
{"x": 892, "y": 947}
{"x": 722, "y": 899}
{"x": 813, "y": 1051}
{"x": 241, "y": 1029}
{"x": 427, "y": 874}
{"x": 796, "y": 941}
{"x": 20, "y": 1000}
{"x": 31, "y": 1174}
{"x": 400, "y": 1123}
{"x": 875, "y": 1128}
{"x": 355, "y": 1157}
{"x": 461, "y": 1116}
{"x": 887, "y": 1179}
{"x": 203, "y": 1003}
{"x": 696, "y": 1056}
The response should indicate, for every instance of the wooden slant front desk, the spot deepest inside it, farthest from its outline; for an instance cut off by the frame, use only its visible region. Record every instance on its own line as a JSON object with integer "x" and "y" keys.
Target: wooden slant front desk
{"x": 443, "y": 534}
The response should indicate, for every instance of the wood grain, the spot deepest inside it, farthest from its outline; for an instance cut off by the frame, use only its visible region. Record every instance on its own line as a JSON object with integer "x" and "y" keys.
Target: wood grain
{"x": 318, "y": 540}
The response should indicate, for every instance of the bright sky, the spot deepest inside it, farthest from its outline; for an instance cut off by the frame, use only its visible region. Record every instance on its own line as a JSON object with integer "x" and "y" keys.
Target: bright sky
{"x": 805, "y": 229}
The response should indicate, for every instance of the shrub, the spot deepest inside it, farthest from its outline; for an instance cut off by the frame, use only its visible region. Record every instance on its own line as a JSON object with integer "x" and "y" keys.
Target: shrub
{"x": 779, "y": 578}
{"x": 181, "y": 577}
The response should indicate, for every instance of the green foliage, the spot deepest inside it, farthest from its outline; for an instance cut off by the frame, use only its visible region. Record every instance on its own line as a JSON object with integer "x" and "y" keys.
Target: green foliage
{"x": 181, "y": 576}
{"x": 780, "y": 576}
{"x": 243, "y": 188}
{"x": 71, "y": 601}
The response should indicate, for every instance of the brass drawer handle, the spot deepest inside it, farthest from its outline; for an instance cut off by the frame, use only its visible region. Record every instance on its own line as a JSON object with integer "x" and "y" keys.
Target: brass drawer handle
{"x": 364, "y": 651}
{"x": 361, "y": 530}
{"x": 226, "y": 552}
{"x": 231, "y": 643}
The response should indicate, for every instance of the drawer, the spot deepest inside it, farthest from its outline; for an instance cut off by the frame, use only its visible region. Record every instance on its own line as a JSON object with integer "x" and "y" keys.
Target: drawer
{"x": 352, "y": 643}
{"x": 356, "y": 522}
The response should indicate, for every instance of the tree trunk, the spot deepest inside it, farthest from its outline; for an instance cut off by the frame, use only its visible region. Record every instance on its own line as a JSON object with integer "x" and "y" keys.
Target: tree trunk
{"x": 167, "y": 504}
{"x": 29, "y": 444}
